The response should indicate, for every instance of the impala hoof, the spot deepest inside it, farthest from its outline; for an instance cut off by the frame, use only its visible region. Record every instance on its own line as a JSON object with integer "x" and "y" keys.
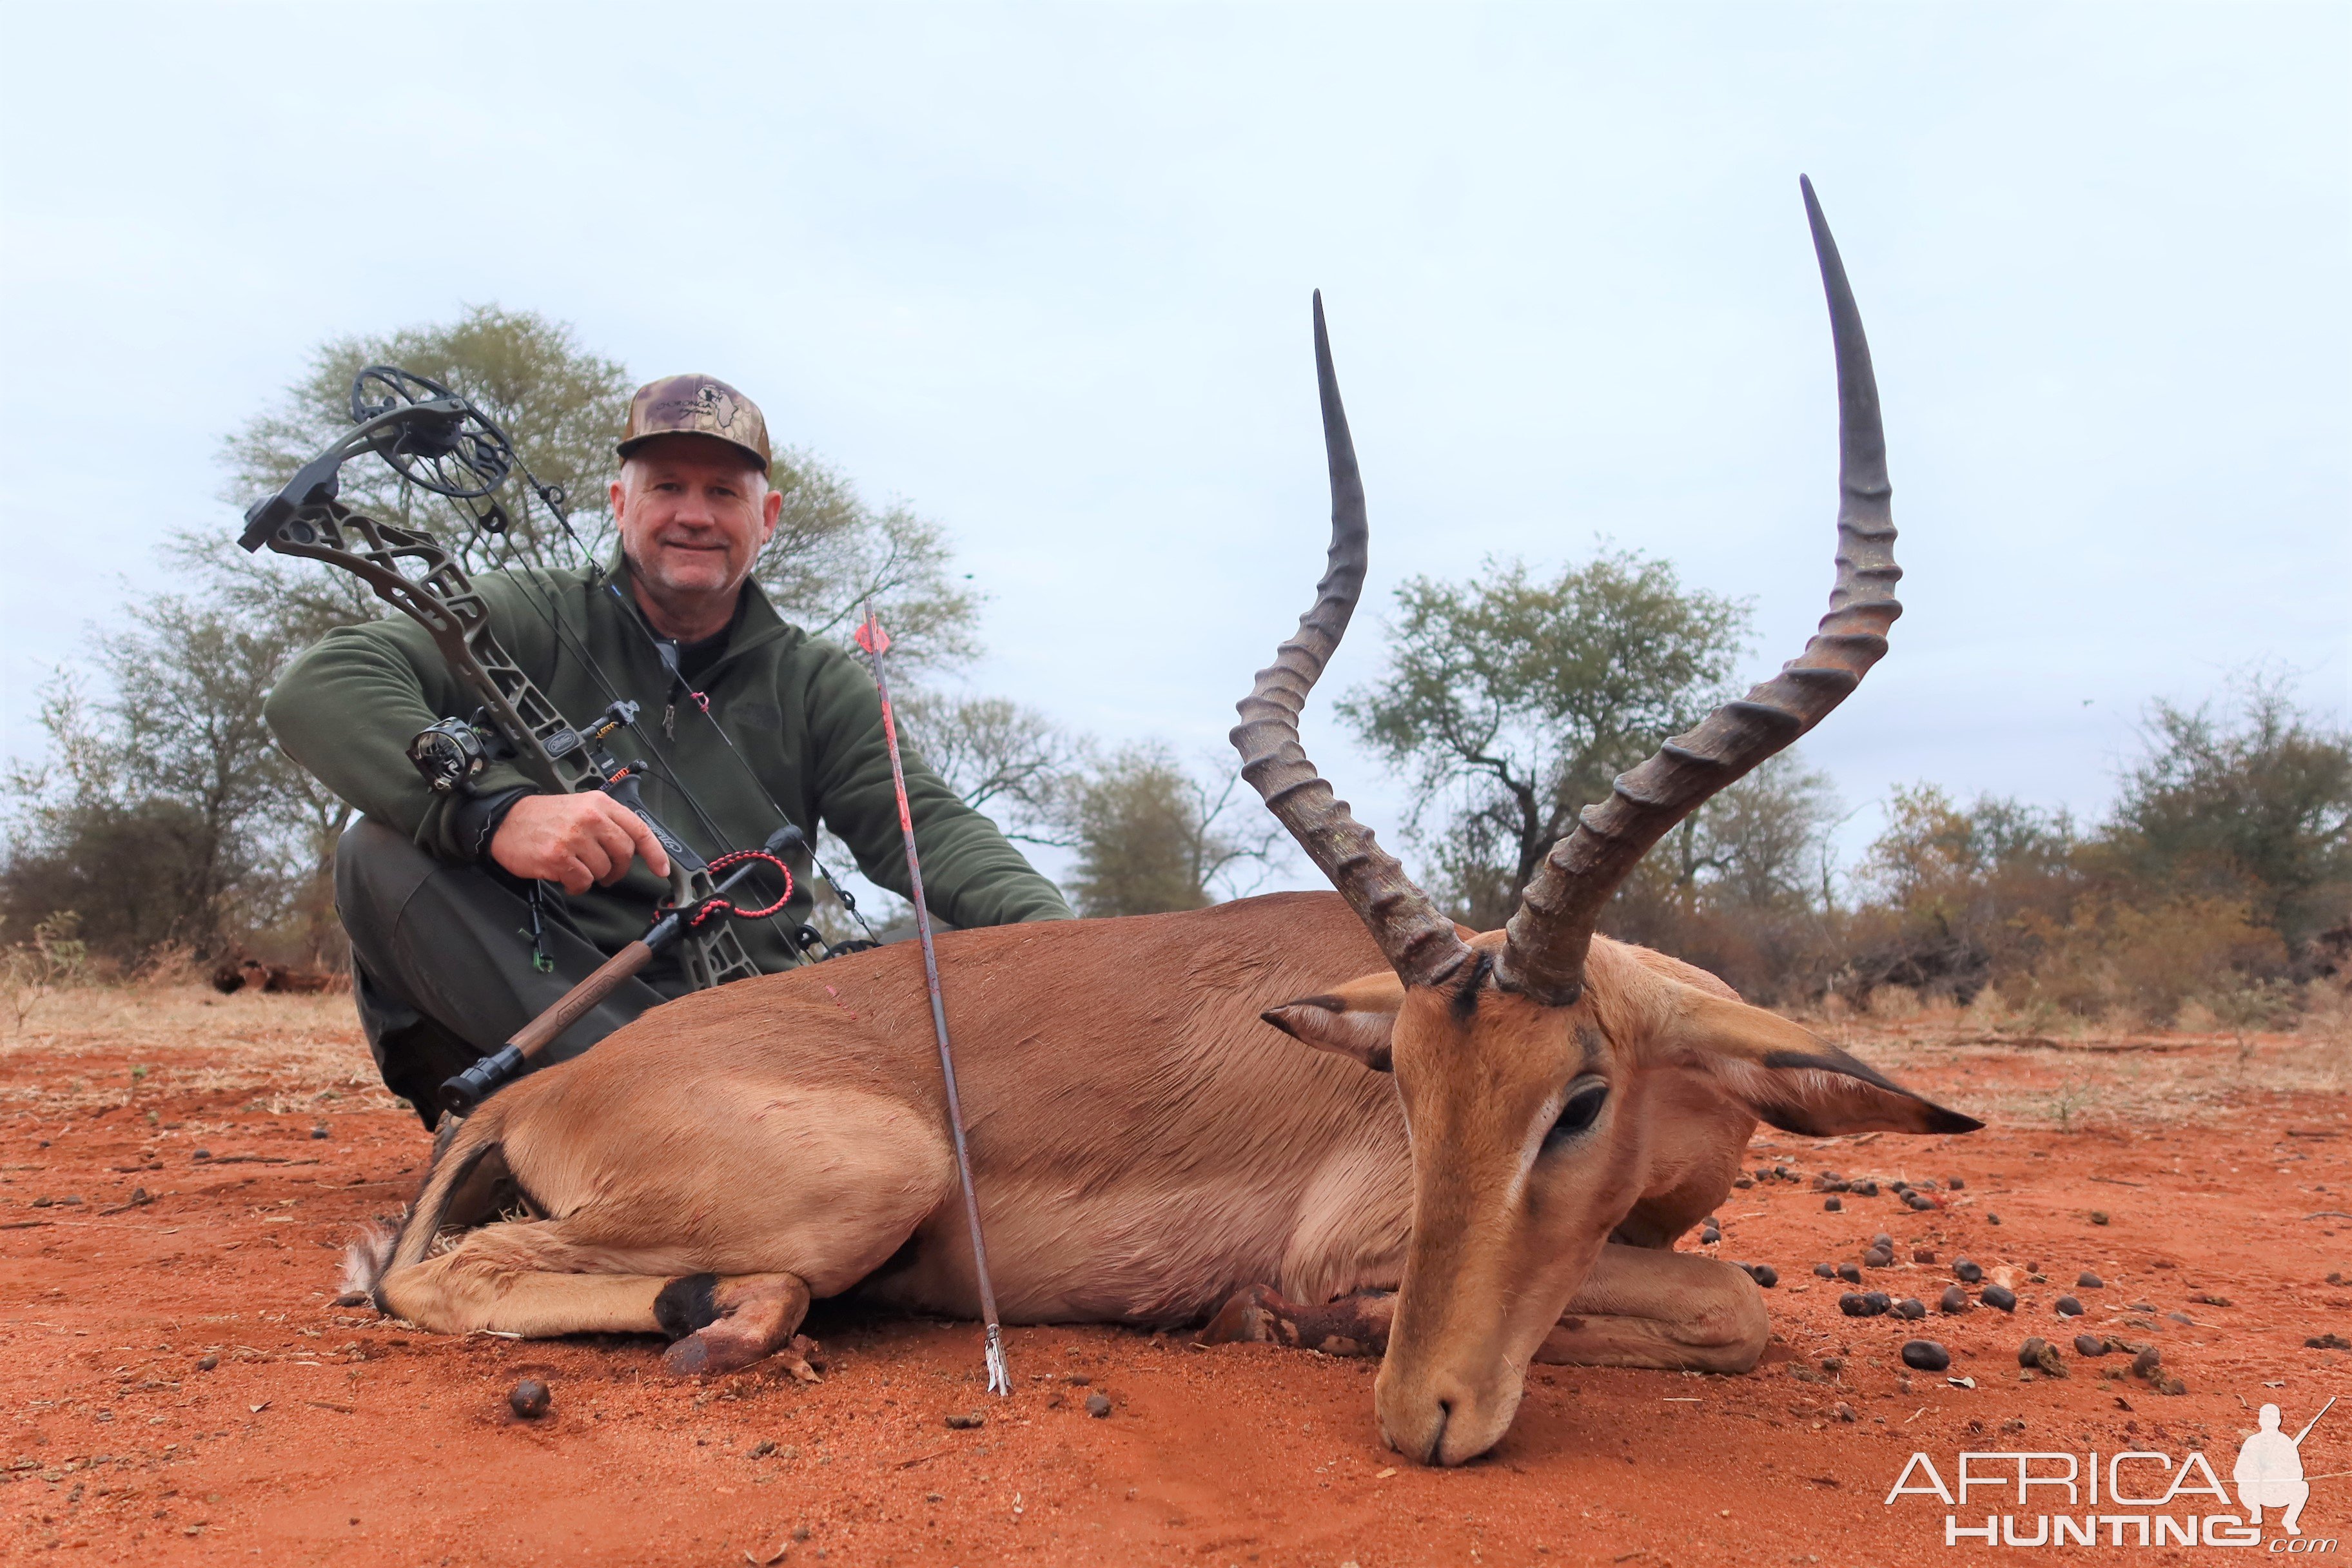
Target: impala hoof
{"x": 731, "y": 1323}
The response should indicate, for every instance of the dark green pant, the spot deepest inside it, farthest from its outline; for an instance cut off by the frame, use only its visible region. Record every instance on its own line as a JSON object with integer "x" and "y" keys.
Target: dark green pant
{"x": 441, "y": 963}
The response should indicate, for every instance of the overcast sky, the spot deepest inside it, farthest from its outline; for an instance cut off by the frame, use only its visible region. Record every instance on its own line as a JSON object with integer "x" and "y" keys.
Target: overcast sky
{"x": 1043, "y": 273}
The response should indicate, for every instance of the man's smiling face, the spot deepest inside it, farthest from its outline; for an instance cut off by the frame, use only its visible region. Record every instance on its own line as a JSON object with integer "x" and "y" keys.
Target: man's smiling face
{"x": 693, "y": 514}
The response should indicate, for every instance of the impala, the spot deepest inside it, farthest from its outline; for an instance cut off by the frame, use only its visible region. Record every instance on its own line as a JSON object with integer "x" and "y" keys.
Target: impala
{"x": 1485, "y": 1160}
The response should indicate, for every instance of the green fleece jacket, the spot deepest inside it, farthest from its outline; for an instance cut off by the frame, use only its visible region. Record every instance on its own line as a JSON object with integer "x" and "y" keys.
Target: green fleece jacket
{"x": 804, "y": 715}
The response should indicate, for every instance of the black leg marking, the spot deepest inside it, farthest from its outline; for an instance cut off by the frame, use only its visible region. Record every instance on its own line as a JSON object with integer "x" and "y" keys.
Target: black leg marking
{"x": 684, "y": 1305}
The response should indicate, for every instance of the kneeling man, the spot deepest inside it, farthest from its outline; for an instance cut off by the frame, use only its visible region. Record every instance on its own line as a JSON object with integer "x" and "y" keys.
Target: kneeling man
{"x": 469, "y": 915}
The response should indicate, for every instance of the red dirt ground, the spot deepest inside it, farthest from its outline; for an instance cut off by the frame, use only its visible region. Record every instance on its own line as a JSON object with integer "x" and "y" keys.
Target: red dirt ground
{"x": 325, "y": 1434}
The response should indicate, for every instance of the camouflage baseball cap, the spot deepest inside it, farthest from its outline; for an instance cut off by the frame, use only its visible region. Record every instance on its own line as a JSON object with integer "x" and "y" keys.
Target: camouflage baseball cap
{"x": 696, "y": 405}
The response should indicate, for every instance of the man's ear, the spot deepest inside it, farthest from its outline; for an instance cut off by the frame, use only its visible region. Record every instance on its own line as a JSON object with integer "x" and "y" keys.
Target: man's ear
{"x": 1354, "y": 1021}
{"x": 1789, "y": 1077}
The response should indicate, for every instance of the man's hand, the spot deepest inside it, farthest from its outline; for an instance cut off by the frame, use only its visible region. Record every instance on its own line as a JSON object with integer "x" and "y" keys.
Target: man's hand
{"x": 578, "y": 840}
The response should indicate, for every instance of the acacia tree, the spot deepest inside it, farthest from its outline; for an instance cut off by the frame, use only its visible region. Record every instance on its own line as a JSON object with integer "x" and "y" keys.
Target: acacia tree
{"x": 1515, "y": 700}
{"x": 2255, "y": 805}
{"x": 1152, "y": 835}
{"x": 162, "y": 815}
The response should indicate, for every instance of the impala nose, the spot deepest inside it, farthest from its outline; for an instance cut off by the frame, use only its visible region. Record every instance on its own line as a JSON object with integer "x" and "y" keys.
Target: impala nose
{"x": 1437, "y": 1437}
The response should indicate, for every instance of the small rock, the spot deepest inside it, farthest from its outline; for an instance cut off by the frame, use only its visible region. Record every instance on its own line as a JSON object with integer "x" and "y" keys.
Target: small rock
{"x": 1843, "y": 1411}
{"x": 1966, "y": 1272}
{"x": 206, "y": 1361}
{"x": 2172, "y": 1385}
{"x": 1923, "y": 1255}
{"x": 1743, "y": 1183}
{"x": 1991, "y": 1219}
{"x": 1851, "y": 1304}
{"x": 2205, "y": 1300}
{"x": 2328, "y": 1342}
{"x": 1955, "y": 1184}
{"x": 2086, "y": 1280}
{"x": 1953, "y": 1302}
{"x": 1850, "y": 1272}
{"x": 1764, "y": 1274}
{"x": 1999, "y": 1296}
{"x": 763, "y": 1448}
{"x": 1876, "y": 1303}
{"x": 2040, "y": 1355}
{"x": 202, "y": 1154}
{"x": 1097, "y": 1406}
{"x": 2090, "y": 1344}
{"x": 2069, "y": 1308}
{"x": 1825, "y": 1270}
{"x": 1862, "y": 1189}
{"x": 2145, "y": 1363}
{"x": 2098, "y": 1217}
{"x": 2183, "y": 1318}
{"x": 1910, "y": 1308}
{"x": 1877, "y": 1257}
{"x": 1080, "y": 1380}
{"x": 1833, "y": 1205}
{"x": 967, "y": 1423}
{"x": 1833, "y": 1364}
{"x": 1883, "y": 1242}
{"x": 529, "y": 1399}
{"x": 318, "y": 1134}
{"x": 1926, "y": 1355}
{"x": 1918, "y": 1202}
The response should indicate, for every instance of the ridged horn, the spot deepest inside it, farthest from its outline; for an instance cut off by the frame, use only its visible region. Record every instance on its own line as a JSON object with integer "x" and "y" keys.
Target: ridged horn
{"x": 1420, "y": 943}
{"x": 1549, "y": 936}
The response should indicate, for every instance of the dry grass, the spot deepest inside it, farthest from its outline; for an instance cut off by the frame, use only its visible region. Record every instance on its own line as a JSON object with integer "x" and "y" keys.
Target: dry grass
{"x": 2084, "y": 1074}
{"x": 287, "y": 1052}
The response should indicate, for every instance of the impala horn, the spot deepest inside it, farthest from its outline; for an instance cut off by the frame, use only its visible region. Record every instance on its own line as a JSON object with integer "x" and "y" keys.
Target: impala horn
{"x": 1544, "y": 956}
{"x": 1420, "y": 943}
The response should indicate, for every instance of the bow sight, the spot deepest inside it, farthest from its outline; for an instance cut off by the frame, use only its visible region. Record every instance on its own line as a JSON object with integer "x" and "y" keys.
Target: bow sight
{"x": 437, "y": 440}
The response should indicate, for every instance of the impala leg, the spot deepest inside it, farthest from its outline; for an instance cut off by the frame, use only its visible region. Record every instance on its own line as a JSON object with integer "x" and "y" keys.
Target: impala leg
{"x": 1352, "y": 1325}
{"x": 528, "y": 1278}
{"x": 1673, "y": 1310}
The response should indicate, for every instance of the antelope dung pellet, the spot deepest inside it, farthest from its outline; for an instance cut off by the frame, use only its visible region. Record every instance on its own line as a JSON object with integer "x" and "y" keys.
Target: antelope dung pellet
{"x": 1926, "y": 1355}
{"x": 1953, "y": 1302}
{"x": 2086, "y": 1280}
{"x": 2069, "y": 1308}
{"x": 1999, "y": 1296}
{"x": 1966, "y": 1272}
{"x": 1910, "y": 1308}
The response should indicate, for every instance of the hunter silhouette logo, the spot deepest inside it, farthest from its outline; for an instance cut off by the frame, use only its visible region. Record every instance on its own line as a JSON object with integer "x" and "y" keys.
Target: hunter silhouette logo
{"x": 2269, "y": 1471}
{"x": 2138, "y": 1497}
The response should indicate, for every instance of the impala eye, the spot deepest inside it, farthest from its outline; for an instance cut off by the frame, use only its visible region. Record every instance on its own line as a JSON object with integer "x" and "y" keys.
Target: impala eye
{"x": 1577, "y": 1117}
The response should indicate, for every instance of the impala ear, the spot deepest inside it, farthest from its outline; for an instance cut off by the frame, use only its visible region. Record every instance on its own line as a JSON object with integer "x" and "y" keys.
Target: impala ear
{"x": 1791, "y": 1077}
{"x": 1354, "y": 1021}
